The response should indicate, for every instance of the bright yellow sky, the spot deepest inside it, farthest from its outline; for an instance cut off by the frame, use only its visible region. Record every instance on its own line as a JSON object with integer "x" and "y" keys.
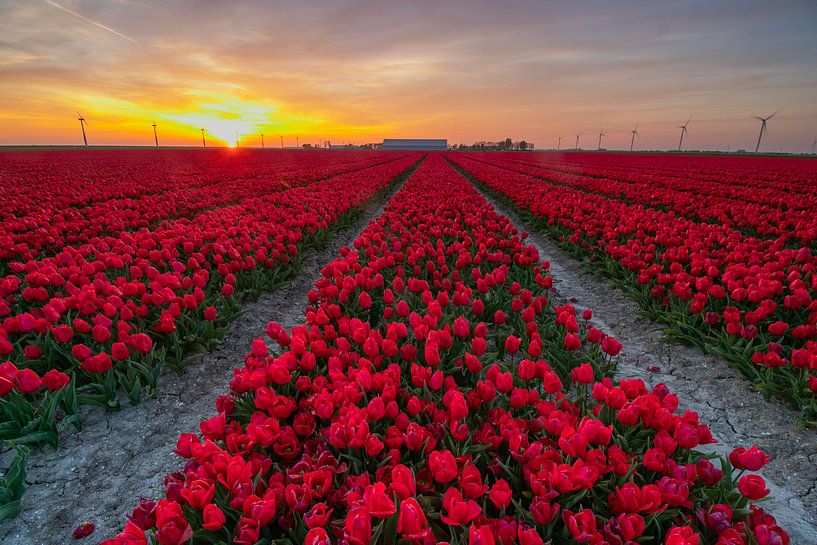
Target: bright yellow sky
{"x": 359, "y": 71}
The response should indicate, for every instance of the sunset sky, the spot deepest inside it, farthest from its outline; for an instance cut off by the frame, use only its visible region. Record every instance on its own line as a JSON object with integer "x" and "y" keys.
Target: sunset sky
{"x": 359, "y": 71}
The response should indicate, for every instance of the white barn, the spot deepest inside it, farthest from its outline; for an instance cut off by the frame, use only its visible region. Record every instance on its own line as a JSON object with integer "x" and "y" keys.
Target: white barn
{"x": 419, "y": 144}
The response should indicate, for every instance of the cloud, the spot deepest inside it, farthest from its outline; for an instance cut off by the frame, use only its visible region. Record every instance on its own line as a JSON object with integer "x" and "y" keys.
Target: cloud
{"x": 463, "y": 70}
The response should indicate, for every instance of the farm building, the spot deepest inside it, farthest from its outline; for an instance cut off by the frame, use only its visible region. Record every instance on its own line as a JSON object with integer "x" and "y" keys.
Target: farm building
{"x": 414, "y": 144}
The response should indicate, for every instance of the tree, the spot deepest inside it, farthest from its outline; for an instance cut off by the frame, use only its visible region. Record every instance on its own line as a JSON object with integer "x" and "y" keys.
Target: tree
{"x": 523, "y": 146}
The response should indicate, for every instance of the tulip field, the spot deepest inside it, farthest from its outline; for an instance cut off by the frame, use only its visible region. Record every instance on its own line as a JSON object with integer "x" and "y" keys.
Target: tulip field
{"x": 721, "y": 252}
{"x": 439, "y": 390}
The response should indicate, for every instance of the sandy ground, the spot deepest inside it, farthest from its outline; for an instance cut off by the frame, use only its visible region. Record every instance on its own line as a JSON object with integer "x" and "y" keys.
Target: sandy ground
{"x": 98, "y": 474}
{"x": 705, "y": 384}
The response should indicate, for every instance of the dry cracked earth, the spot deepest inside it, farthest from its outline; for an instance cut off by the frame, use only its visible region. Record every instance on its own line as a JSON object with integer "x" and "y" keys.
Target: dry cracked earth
{"x": 98, "y": 474}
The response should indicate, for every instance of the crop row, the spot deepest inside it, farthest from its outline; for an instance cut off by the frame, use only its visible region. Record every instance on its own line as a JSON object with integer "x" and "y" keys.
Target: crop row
{"x": 755, "y": 207}
{"x": 748, "y": 299}
{"x": 435, "y": 394}
{"x": 41, "y": 215}
{"x": 105, "y": 318}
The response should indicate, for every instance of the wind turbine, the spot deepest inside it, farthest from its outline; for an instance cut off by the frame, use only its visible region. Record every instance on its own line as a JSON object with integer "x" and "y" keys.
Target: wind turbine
{"x": 282, "y": 142}
{"x": 262, "y": 140}
{"x": 155, "y": 137}
{"x": 203, "y": 141}
{"x": 577, "y": 141}
{"x": 813, "y": 146}
{"x": 635, "y": 133}
{"x": 237, "y": 140}
{"x": 559, "y": 144}
{"x": 601, "y": 135}
{"x": 763, "y": 129}
{"x": 82, "y": 125}
{"x": 683, "y": 132}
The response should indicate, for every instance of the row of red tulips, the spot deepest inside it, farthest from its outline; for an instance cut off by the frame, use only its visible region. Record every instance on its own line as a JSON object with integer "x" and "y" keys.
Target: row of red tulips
{"x": 737, "y": 200}
{"x": 750, "y": 300}
{"x": 104, "y": 319}
{"x": 60, "y": 200}
{"x": 435, "y": 394}
{"x": 704, "y": 174}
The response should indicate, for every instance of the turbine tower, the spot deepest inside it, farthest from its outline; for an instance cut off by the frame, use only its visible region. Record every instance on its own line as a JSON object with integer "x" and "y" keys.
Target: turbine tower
{"x": 82, "y": 125}
{"x": 601, "y": 135}
{"x": 813, "y": 146}
{"x": 577, "y": 141}
{"x": 634, "y": 133}
{"x": 763, "y": 129}
{"x": 559, "y": 144}
{"x": 203, "y": 141}
{"x": 683, "y": 132}
{"x": 262, "y": 140}
{"x": 282, "y": 142}
{"x": 155, "y": 137}
{"x": 237, "y": 142}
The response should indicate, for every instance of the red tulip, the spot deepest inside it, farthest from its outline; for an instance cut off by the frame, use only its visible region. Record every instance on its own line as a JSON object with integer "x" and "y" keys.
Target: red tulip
{"x": 27, "y": 381}
{"x": 131, "y": 535}
{"x": 459, "y": 511}
{"x": 119, "y": 351}
{"x": 378, "y": 503}
{"x": 412, "y": 522}
{"x": 99, "y": 363}
{"x": 199, "y": 494}
{"x": 752, "y": 459}
{"x": 214, "y": 518}
{"x": 572, "y": 342}
{"x": 683, "y": 535}
{"x": 55, "y": 380}
{"x": 461, "y": 327}
{"x": 501, "y": 494}
{"x": 581, "y": 525}
{"x": 171, "y": 526}
{"x": 482, "y": 535}
{"x": 443, "y": 466}
{"x": 753, "y": 487}
{"x": 358, "y": 526}
{"x": 317, "y": 536}
{"x": 512, "y": 344}
{"x": 402, "y": 482}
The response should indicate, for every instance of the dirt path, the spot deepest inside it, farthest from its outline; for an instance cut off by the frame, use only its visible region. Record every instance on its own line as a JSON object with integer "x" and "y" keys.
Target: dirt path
{"x": 704, "y": 384}
{"x": 98, "y": 474}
